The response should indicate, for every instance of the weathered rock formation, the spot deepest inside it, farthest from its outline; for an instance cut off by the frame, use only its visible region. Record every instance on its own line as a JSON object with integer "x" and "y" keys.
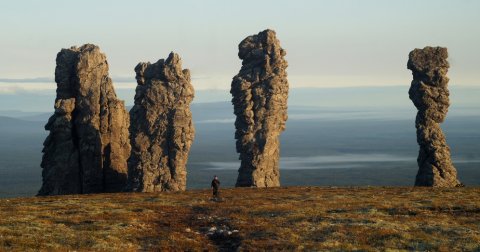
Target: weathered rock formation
{"x": 161, "y": 129}
{"x": 260, "y": 92}
{"x": 88, "y": 145}
{"x": 429, "y": 93}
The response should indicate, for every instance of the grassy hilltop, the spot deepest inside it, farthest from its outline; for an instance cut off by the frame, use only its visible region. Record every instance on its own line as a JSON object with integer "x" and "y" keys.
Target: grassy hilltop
{"x": 289, "y": 218}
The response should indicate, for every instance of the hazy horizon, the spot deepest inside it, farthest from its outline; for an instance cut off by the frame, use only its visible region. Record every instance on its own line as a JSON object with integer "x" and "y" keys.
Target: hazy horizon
{"x": 42, "y": 100}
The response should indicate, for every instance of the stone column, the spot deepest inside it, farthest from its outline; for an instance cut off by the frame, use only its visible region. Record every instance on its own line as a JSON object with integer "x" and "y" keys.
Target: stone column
{"x": 161, "y": 129}
{"x": 429, "y": 93}
{"x": 260, "y": 92}
{"x": 88, "y": 145}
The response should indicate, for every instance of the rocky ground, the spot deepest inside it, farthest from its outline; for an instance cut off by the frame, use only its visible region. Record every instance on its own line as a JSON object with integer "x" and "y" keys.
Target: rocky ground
{"x": 290, "y": 218}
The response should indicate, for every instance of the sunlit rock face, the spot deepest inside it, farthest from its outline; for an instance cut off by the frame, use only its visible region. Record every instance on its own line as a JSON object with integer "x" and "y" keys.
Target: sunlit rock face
{"x": 88, "y": 145}
{"x": 260, "y": 92}
{"x": 161, "y": 127}
{"x": 429, "y": 93}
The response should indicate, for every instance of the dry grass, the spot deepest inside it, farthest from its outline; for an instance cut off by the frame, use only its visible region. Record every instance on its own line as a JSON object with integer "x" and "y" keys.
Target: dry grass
{"x": 294, "y": 218}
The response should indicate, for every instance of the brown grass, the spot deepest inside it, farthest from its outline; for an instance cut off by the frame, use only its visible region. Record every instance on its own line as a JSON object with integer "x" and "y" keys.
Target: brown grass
{"x": 292, "y": 218}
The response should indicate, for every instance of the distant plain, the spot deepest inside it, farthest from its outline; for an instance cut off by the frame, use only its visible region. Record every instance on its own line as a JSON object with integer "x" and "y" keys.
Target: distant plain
{"x": 334, "y": 137}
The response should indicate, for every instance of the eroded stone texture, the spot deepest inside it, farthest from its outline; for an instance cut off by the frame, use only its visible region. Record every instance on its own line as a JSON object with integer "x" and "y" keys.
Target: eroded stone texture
{"x": 429, "y": 93}
{"x": 260, "y": 92}
{"x": 162, "y": 129}
{"x": 88, "y": 145}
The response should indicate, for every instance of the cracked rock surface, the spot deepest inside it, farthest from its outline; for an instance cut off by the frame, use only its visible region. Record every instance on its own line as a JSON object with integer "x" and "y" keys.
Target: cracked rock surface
{"x": 429, "y": 93}
{"x": 88, "y": 144}
{"x": 260, "y": 92}
{"x": 161, "y": 127}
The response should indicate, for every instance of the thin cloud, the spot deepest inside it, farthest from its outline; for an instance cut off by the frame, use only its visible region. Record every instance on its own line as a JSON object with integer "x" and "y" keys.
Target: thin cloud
{"x": 49, "y": 79}
{"x": 122, "y": 79}
{"x": 28, "y": 80}
{"x": 22, "y": 88}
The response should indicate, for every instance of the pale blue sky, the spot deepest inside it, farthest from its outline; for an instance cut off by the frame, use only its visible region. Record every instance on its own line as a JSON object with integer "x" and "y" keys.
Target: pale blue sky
{"x": 329, "y": 43}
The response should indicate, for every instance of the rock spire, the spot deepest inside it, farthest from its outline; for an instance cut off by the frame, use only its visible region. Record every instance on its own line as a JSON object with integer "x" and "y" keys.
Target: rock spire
{"x": 260, "y": 92}
{"x": 429, "y": 93}
{"x": 161, "y": 127}
{"x": 88, "y": 145}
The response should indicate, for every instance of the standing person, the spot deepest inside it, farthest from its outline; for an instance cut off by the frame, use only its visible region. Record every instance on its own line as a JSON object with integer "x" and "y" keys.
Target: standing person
{"x": 215, "y": 185}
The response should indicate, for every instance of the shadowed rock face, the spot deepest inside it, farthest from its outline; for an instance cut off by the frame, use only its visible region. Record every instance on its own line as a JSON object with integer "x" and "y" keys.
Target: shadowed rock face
{"x": 429, "y": 93}
{"x": 88, "y": 144}
{"x": 162, "y": 129}
{"x": 260, "y": 92}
